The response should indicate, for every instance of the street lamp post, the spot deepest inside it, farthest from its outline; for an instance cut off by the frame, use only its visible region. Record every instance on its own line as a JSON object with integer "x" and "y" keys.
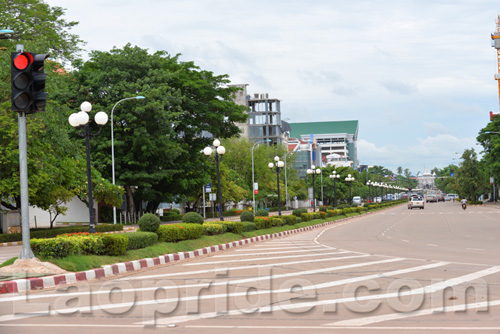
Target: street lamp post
{"x": 113, "y": 147}
{"x": 334, "y": 177}
{"x": 349, "y": 179}
{"x": 369, "y": 183}
{"x": 312, "y": 172}
{"x": 279, "y": 164}
{"x": 81, "y": 120}
{"x": 219, "y": 152}
{"x": 253, "y": 172}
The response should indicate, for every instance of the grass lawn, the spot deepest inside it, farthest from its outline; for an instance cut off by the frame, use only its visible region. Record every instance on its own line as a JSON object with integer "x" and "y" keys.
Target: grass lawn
{"x": 77, "y": 263}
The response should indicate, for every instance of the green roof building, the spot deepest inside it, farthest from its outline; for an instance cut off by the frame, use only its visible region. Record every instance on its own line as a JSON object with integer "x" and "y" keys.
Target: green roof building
{"x": 336, "y": 141}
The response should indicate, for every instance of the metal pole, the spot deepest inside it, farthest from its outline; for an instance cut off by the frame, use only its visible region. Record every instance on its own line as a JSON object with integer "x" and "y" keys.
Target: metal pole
{"x": 350, "y": 197}
{"x": 322, "y": 201}
{"x": 314, "y": 194}
{"x": 26, "y": 252}
{"x": 334, "y": 192}
{"x": 89, "y": 181}
{"x": 204, "y": 214}
{"x": 286, "y": 184}
{"x": 218, "y": 186}
{"x": 279, "y": 199}
{"x": 253, "y": 182}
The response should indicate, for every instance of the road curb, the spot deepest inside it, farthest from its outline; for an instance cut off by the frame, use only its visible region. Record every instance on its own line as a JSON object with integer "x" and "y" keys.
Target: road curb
{"x": 30, "y": 284}
{"x": 15, "y": 243}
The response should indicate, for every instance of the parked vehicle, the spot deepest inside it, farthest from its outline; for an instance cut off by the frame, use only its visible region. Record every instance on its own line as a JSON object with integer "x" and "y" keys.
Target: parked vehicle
{"x": 440, "y": 198}
{"x": 416, "y": 202}
{"x": 357, "y": 200}
{"x": 448, "y": 198}
{"x": 377, "y": 200}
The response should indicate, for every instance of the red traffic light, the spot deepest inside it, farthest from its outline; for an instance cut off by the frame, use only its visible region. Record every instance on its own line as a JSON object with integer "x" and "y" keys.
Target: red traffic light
{"x": 23, "y": 60}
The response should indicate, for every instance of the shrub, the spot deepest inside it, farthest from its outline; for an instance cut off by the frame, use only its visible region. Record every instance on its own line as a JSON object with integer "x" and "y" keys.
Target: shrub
{"x": 298, "y": 220}
{"x": 359, "y": 209}
{"x": 115, "y": 244}
{"x": 170, "y": 218}
{"x": 246, "y": 216}
{"x": 212, "y": 229}
{"x": 316, "y": 215}
{"x": 331, "y": 213}
{"x": 289, "y": 219}
{"x": 354, "y": 205}
{"x": 261, "y": 213}
{"x": 54, "y": 248}
{"x": 322, "y": 208}
{"x": 261, "y": 222}
{"x": 298, "y": 212}
{"x": 249, "y": 226}
{"x": 178, "y": 232}
{"x": 322, "y": 214}
{"x": 149, "y": 223}
{"x": 192, "y": 218}
{"x": 275, "y": 221}
{"x": 140, "y": 240}
{"x": 231, "y": 227}
{"x": 305, "y": 217}
{"x": 177, "y": 211}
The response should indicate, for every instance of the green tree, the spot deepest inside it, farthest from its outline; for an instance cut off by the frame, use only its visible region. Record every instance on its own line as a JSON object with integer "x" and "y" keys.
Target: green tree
{"x": 471, "y": 179}
{"x": 158, "y": 140}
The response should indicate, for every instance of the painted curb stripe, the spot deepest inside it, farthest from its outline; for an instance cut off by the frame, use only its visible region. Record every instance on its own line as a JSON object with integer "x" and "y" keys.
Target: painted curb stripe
{"x": 22, "y": 285}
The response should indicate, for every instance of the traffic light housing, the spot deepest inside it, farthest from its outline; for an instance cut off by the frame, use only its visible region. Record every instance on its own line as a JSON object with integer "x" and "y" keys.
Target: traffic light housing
{"x": 28, "y": 82}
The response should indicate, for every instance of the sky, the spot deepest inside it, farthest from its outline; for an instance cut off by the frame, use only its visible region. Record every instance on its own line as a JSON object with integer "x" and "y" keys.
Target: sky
{"x": 417, "y": 75}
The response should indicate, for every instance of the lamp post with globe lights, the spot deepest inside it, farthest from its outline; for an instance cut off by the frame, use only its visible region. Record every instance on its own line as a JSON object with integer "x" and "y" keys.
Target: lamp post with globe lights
{"x": 279, "y": 164}
{"x": 81, "y": 120}
{"x": 334, "y": 176}
{"x": 312, "y": 172}
{"x": 349, "y": 179}
{"x": 219, "y": 152}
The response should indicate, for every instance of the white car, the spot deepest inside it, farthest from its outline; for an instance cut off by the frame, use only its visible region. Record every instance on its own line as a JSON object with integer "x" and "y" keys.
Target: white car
{"x": 357, "y": 200}
{"x": 416, "y": 202}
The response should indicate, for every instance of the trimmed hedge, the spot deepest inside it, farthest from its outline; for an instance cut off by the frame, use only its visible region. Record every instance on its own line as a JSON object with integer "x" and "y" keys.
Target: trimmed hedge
{"x": 262, "y": 213}
{"x": 171, "y": 217}
{"x": 139, "y": 240}
{"x": 178, "y": 232}
{"x": 212, "y": 229}
{"x": 192, "y": 218}
{"x": 276, "y": 221}
{"x": 231, "y": 227}
{"x": 149, "y": 223}
{"x": 249, "y": 226}
{"x": 261, "y": 222}
{"x": 63, "y": 246}
{"x": 47, "y": 233}
{"x": 298, "y": 212}
{"x": 247, "y": 216}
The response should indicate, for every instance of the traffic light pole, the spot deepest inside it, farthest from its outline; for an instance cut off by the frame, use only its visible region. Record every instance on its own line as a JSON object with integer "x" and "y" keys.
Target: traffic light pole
{"x": 26, "y": 252}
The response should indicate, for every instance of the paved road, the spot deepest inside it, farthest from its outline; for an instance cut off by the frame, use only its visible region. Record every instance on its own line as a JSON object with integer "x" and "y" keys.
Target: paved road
{"x": 425, "y": 271}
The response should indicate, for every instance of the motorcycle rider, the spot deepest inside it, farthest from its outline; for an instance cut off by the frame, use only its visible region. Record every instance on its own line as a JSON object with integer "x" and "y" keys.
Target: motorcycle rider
{"x": 464, "y": 203}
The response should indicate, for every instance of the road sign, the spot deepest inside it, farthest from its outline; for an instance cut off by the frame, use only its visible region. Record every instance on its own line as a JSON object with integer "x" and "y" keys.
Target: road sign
{"x": 208, "y": 188}
{"x": 212, "y": 197}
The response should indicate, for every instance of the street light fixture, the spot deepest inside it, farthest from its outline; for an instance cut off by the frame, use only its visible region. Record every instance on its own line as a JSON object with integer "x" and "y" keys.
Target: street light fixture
{"x": 253, "y": 172}
{"x": 219, "y": 152}
{"x": 369, "y": 184}
{"x": 279, "y": 164}
{"x": 349, "y": 179}
{"x": 312, "y": 172}
{"x": 113, "y": 147}
{"x": 81, "y": 120}
{"x": 334, "y": 176}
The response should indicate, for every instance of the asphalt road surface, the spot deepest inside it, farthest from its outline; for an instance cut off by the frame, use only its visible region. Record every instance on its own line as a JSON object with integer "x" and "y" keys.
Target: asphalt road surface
{"x": 435, "y": 270}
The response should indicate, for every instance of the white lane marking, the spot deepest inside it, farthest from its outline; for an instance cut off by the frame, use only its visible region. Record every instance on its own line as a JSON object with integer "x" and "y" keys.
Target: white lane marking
{"x": 405, "y": 240}
{"x": 261, "y": 259}
{"x": 399, "y": 316}
{"x": 313, "y": 250}
{"x": 73, "y": 325}
{"x": 427, "y": 289}
{"x": 196, "y": 297}
{"x": 33, "y": 296}
{"x": 279, "y": 248}
{"x": 408, "y": 328}
{"x": 477, "y": 249}
{"x": 434, "y": 245}
{"x": 270, "y": 308}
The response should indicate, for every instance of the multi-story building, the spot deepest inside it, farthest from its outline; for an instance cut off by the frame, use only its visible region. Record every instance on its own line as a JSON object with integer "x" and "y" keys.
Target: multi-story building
{"x": 335, "y": 142}
{"x": 264, "y": 121}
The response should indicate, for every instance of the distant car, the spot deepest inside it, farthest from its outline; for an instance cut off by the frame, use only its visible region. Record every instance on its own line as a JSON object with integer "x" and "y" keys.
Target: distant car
{"x": 431, "y": 199}
{"x": 440, "y": 198}
{"x": 448, "y": 198}
{"x": 377, "y": 200}
{"x": 416, "y": 202}
{"x": 356, "y": 200}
